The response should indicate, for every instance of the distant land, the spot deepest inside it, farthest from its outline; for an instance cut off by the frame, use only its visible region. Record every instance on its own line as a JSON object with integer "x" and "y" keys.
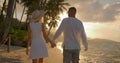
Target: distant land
{"x": 101, "y": 40}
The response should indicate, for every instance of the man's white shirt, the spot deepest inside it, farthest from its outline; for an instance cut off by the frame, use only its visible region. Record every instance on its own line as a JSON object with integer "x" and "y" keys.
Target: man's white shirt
{"x": 73, "y": 32}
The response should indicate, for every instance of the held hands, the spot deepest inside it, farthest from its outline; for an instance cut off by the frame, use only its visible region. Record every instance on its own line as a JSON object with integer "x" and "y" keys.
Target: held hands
{"x": 53, "y": 44}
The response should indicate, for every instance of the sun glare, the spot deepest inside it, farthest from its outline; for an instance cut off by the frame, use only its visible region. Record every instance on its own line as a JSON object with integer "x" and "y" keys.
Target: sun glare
{"x": 63, "y": 15}
{"x": 90, "y": 28}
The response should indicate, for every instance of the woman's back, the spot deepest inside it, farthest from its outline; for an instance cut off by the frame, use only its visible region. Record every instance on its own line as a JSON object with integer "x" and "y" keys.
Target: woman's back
{"x": 36, "y": 29}
{"x": 38, "y": 47}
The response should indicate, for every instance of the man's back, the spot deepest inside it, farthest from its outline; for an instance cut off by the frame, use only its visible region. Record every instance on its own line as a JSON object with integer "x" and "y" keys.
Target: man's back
{"x": 72, "y": 29}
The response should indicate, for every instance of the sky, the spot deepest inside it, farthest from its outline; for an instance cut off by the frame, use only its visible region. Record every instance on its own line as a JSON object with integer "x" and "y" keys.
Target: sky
{"x": 101, "y": 18}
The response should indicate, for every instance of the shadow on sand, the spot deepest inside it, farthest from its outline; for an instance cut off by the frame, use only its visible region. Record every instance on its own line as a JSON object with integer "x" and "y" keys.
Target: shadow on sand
{"x": 9, "y": 60}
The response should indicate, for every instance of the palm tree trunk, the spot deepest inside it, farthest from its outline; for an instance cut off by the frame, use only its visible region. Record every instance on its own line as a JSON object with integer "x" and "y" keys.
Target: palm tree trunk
{"x": 21, "y": 17}
{"x": 26, "y": 22}
{"x": 3, "y": 8}
{"x": 14, "y": 11}
{"x": 7, "y": 22}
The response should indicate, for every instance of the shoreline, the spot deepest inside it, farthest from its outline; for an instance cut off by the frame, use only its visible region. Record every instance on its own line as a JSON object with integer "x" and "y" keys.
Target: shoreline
{"x": 100, "y": 51}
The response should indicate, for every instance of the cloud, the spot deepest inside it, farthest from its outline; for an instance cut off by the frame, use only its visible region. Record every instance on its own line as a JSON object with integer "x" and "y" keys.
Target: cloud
{"x": 111, "y": 11}
{"x": 96, "y": 11}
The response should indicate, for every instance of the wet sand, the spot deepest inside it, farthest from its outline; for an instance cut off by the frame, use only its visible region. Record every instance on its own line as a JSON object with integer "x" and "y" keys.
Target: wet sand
{"x": 100, "y": 51}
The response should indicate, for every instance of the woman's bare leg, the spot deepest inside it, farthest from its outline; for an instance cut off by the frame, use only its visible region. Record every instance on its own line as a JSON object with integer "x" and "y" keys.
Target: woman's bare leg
{"x": 40, "y": 60}
{"x": 34, "y": 60}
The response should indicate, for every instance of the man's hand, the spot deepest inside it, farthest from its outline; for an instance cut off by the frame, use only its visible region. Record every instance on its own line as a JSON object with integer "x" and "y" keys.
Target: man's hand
{"x": 86, "y": 49}
{"x": 53, "y": 44}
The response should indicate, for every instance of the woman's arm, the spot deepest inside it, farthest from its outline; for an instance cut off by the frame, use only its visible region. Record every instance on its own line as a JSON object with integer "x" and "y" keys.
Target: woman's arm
{"x": 29, "y": 40}
{"x": 45, "y": 35}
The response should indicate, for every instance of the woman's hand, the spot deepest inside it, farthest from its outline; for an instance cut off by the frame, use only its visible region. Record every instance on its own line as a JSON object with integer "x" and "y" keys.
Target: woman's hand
{"x": 53, "y": 44}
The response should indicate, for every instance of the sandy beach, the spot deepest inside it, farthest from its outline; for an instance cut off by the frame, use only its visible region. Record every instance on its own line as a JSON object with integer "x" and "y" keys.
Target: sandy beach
{"x": 100, "y": 51}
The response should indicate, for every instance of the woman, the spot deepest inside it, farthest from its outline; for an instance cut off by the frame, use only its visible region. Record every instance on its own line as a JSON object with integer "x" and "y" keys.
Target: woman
{"x": 36, "y": 36}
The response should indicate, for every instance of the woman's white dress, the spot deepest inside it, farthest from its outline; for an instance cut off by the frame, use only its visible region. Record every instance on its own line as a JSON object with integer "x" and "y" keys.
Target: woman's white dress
{"x": 38, "y": 46}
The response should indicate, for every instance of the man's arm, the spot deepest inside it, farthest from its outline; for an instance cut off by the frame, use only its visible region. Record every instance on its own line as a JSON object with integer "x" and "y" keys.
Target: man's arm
{"x": 29, "y": 40}
{"x": 84, "y": 38}
{"x": 58, "y": 32}
{"x": 46, "y": 37}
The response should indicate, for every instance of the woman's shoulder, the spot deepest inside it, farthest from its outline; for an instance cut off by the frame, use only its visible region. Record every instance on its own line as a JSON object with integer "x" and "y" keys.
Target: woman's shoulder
{"x": 30, "y": 23}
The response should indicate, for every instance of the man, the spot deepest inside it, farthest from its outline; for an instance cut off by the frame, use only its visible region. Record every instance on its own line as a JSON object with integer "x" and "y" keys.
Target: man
{"x": 73, "y": 32}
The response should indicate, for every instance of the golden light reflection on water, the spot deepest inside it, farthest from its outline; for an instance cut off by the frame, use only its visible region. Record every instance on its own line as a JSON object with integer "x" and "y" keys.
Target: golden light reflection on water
{"x": 59, "y": 46}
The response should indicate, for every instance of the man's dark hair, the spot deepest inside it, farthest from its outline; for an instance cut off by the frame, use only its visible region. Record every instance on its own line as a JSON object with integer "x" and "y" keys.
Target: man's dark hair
{"x": 72, "y": 8}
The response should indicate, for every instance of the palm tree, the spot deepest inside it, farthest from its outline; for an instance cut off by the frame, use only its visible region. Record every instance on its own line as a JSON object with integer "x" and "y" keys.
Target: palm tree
{"x": 31, "y": 5}
{"x": 6, "y": 26}
{"x": 21, "y": 17}
{"x": 52, "y": 8}
{"x": 3, "y": 9}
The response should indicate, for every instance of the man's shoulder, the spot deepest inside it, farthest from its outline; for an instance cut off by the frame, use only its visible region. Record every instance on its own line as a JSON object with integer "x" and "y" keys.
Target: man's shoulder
{"x": 77, "y": 20}
{"x": 73, "y": 19}
{"x": 66, "y": 18}
{"x": 70, "y": 18}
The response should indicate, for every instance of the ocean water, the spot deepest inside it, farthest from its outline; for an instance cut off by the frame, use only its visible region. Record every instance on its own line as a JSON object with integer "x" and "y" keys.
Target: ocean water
{"x": 100, "y": 51}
